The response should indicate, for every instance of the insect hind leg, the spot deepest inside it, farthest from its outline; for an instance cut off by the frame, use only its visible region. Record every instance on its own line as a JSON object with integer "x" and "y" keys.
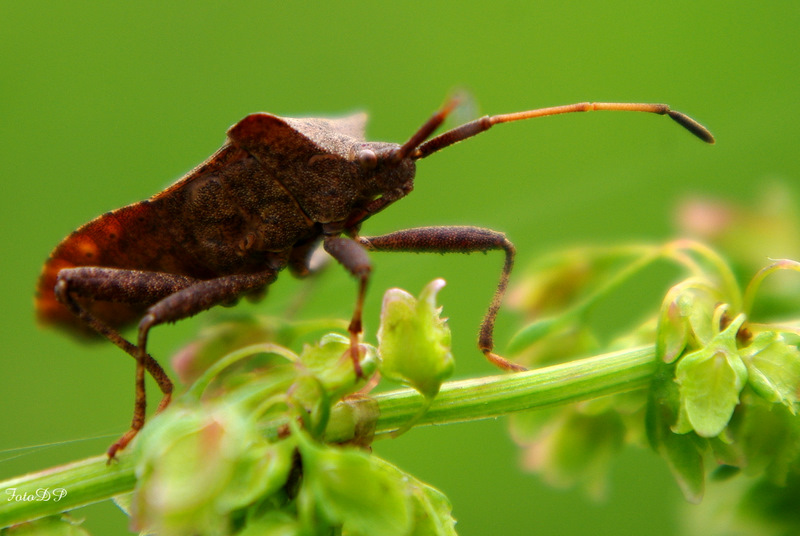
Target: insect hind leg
{"x": 74, "y": 282}
{"x": 121, "y": 286}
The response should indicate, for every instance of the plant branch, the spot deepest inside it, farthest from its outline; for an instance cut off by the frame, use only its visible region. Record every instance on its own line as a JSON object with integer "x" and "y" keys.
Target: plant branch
{"x": 91, "y": 480}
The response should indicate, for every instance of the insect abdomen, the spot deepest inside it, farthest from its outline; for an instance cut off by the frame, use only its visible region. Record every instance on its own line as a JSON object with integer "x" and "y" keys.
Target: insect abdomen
{"x": 128, "y": 238}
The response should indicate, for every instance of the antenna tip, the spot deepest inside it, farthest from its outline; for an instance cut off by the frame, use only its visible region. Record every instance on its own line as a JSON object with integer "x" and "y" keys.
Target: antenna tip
{"x": 692, "y": 126}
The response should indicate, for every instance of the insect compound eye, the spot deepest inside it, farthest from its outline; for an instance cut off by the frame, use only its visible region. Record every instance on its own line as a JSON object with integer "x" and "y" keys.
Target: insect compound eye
{"x": 367, "y": 159}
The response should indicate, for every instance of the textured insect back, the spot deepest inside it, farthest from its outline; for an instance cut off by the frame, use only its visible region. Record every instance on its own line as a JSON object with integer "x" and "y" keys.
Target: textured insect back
{"x": 309, "y": 157}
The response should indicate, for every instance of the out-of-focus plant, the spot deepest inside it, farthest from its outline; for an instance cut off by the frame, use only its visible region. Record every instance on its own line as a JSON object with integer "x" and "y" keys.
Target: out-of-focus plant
{"x": 272, "y": 433}
{"x": 724, "y": 396}
{"x": 245, "y": 452}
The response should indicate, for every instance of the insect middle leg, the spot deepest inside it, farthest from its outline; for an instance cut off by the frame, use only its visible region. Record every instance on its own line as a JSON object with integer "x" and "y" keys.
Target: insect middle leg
{"x": 354, "y": 258}
{"x": 457, "y": 239}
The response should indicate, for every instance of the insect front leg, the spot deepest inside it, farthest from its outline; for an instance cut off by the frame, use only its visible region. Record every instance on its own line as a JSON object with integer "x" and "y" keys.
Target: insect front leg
{"x": 457, "y": 239}
{"x": 354, "y": 258}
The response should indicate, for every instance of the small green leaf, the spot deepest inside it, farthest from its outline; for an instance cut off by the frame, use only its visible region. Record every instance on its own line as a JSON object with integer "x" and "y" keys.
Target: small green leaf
{"x": 774, "y": 369}
{"x": 311, "y": 403}
{"x": 709, "y": 387}
{"x": 683, "y": 425}
{"x": 195, "y": 466}
{"x": 769, "y": 436}
{"x": 710, "y": 381}
{"x": 347, "y": 487}
{"x": 432, "y": 510}
{"x": 674, "y": 324}
{"x": 672, "y": 334}
{"x": 272, "y": 523}
{"x": 329, "y": 360}
{"x": 260, "y": 471}
{"x": 682, "y": 453}
{"x": 700, "y": 319}
{"x": 685, "y": 462}
{"x": 686, "y": 318}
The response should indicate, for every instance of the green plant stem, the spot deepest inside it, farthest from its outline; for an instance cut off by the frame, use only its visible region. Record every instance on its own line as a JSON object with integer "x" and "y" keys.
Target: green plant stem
{"x": 91, "y": 480}
{"x": 86, "y": 481}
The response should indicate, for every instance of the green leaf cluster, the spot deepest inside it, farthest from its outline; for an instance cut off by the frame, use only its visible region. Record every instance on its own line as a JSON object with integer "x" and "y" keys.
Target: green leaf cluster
{"x": 244, "y": 451}
{"x": 723, "y": 385}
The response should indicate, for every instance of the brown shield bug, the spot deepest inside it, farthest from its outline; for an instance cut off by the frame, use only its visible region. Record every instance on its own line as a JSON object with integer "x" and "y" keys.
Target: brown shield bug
{"x": 277, "y": 189}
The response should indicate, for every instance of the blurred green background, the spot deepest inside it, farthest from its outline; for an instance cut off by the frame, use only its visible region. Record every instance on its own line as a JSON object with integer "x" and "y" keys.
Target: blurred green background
{"x": 105, "y": 104}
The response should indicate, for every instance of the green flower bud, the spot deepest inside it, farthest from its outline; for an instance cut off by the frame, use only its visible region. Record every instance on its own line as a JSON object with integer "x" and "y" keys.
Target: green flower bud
{"x": 415, "y": 340}
{"x": 673, "y": 328}
{"x": 329, "y": 360}
{"x": 358, "y": 493}
{"x": 685, "y": 318}
{"x": 346, "y": 487}
{"x": 195, "y": 467}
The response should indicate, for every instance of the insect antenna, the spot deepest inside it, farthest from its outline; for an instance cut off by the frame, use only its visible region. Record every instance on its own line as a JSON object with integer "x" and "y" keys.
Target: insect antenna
{"x": 424, "y": 131}
{"x": 473, "y": 128}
